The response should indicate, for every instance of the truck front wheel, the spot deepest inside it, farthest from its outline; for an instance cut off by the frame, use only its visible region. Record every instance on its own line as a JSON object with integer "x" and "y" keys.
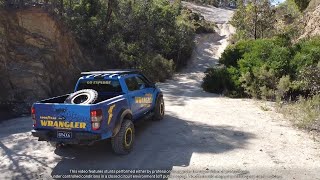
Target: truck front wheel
{"x": 122, "y": 143}
{"x": 159, "y": 109}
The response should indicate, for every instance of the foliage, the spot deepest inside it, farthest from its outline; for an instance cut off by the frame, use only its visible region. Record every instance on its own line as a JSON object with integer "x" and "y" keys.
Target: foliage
{"x": 310, "y": 79}
{"x": 129, "y": 33}
{"x": 138, "y": 32}
{"x": 270, "y": 68}
{"x": 234, "y": 52}
{"x": 287, "y": 14}
{"x": 158, "y": 68}
{"x": 308, "y": 53}
{"x": 216, "y": 80}
{"x": 197, "y": 22}
{"x": 254, "y": 19}
{"x": 222, "y": 80}
{"x": 288, "y": 7}
{"x": 302, "y": 4}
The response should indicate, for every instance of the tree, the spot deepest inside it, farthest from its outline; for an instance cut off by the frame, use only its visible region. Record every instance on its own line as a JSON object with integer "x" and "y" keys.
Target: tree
{"x": 254, "y": 19}
{"x": 302, "y": 4}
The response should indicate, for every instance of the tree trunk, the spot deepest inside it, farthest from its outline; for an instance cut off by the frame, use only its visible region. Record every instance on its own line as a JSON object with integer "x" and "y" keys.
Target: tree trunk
{"x": 255, "y": 20}
{"x": 109, "y": 12}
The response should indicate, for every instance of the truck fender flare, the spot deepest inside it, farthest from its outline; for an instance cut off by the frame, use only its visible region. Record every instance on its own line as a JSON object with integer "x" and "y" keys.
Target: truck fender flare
{"x": 124, "y": 114}
{"x": 160, "y": 94}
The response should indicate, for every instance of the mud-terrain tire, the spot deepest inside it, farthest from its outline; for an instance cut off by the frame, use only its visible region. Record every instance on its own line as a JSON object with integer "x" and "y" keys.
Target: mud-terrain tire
{"x": 84, "y": 96}
{"x": 123, "y": 142}
{"x": 159, "y": 109}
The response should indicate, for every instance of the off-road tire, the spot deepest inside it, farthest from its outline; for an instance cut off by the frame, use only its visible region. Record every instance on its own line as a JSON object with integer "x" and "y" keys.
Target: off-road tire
{"x": 159, "y": 109}
{"x": 119, "y": 142}
{"x": 90, "y": 94}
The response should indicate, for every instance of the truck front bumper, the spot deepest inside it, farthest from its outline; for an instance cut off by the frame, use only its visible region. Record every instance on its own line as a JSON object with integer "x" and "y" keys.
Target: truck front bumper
{"x": 77, "y": 137}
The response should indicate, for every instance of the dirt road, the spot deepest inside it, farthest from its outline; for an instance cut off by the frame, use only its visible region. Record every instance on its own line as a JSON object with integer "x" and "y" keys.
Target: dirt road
{"x": 202, "y": 134}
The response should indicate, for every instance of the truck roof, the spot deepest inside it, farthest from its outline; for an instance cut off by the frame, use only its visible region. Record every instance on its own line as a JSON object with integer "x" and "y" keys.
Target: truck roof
{"x": 115, "y": 73}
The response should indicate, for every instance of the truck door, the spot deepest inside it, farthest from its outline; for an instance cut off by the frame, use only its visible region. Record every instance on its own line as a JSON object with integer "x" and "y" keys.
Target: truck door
{"x": 133, "y": 95}
{"x": 147, "y": 93}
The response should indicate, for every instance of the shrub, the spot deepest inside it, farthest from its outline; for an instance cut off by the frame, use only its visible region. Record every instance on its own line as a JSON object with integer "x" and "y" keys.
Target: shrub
{"x": 197, "y": 22}
{"x": 158, "y": 68}
{"x": 216, "y": 80}
{"x": 307, "y": 54}
{"x": 234, "y": 89}
{"x": 283, "y": 86}
{"x": 271, "y": 68}
{"x": 310, "y": 79}
{"x": 233, "y": 53}
{"x": 262, "y": 67}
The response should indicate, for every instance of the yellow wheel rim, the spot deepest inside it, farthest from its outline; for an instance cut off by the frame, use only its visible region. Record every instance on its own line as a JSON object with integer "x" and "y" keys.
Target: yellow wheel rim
{"x": 161, "y": 108}
{"x": 128, "y": 137}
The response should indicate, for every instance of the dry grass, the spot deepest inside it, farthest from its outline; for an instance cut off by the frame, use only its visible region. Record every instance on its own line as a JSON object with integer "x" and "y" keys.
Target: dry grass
{"x": 304, "y": 113}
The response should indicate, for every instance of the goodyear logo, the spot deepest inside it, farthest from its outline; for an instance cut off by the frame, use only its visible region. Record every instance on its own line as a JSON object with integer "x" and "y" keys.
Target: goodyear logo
{"x": 62, "y": 124}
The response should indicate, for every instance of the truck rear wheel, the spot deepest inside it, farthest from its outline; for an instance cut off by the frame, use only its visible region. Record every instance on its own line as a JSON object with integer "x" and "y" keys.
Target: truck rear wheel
{"x": 122, "y": 143}
{"x": 159, "y": 109}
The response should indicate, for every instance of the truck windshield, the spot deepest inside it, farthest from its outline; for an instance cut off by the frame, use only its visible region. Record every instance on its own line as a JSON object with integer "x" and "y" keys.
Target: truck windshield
{"x": 100, "y": 85}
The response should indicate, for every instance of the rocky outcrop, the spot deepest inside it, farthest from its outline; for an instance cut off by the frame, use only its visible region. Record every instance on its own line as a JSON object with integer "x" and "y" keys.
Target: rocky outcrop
{"x": 38, "y": 59}
{"x": 311, "y": 20}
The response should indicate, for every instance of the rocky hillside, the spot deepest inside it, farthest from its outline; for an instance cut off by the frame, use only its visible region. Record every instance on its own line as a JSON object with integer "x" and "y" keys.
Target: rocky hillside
{"x": 311, "y": 20}
{"x": 38, "y": 59}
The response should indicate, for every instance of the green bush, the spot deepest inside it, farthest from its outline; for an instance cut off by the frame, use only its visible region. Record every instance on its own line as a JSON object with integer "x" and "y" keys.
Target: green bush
{"x": 235, "y": 88}
{"x": 268, "y": 69}
{"x": 310, "y": 79}
{"x": 129, "y": 34}
{"x": 197, "y": 22}
{"x": 158, "y": 68}
{"x": 283, "y": 87}
{"x": 216, "y": 80}
{"x": 233, "y": 53}
{"x": 302, "y": 4}
{"x": 307, "y": 54}
{"x": 262, "y": 67}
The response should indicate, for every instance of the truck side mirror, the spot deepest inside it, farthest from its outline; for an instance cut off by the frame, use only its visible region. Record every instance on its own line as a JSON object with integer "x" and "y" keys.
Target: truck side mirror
{"x": 142, "y": 86}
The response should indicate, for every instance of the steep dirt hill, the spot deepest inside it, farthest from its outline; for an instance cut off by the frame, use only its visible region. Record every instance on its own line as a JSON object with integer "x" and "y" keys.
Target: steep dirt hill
{"x": 38, "y": 59}
{"x": 311, "y": 20}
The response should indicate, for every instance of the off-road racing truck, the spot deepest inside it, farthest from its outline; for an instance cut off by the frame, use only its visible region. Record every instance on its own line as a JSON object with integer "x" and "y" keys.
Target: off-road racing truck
{"x": 105, "y": 104}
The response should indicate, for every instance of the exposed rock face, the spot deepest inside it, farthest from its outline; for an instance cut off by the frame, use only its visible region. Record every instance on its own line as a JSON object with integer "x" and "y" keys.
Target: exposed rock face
{"x": 311, "y": 20}
{"x": 38, "y": 59}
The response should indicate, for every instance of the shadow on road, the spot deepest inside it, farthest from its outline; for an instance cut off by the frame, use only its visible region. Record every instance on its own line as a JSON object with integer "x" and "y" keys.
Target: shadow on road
{"x": 159, "y": 145}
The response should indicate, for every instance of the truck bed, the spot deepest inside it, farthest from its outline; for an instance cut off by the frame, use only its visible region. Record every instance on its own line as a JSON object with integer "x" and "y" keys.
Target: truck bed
{"x": 61, "y": 99}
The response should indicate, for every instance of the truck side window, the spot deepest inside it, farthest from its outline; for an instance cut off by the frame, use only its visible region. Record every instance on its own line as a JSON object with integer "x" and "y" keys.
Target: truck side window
{"x": 132, "y": 84}
{"x": 141, "y": 82}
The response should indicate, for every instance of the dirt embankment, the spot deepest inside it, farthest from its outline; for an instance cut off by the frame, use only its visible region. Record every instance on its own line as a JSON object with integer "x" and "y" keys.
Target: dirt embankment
{"x": 38, "y": 59}
{"x": 311, "y": 20}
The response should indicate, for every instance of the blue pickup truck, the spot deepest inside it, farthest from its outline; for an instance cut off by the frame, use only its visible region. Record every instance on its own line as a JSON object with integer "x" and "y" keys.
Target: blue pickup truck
{"x": 105, "y": 104}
